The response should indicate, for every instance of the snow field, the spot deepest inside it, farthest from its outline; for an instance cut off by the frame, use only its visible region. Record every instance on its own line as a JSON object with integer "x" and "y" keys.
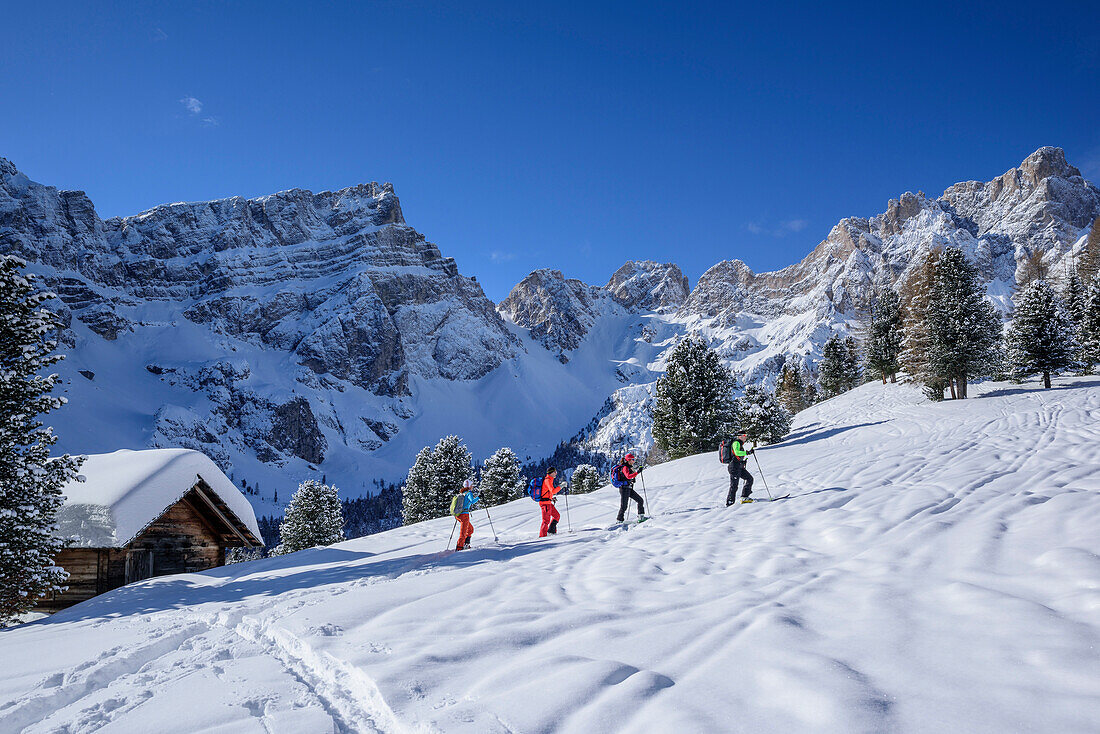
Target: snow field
{"x": 937, "y": 569}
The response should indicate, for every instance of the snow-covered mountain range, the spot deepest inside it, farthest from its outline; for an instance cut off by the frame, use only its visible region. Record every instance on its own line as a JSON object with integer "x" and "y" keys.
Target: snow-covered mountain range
{"x": 304, "y": 334}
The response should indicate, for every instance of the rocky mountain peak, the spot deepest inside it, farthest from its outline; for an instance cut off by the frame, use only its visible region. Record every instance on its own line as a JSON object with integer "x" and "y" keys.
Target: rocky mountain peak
{"x": 557, "y": 310}
{"x": 1046, "y": 162}
{"x": 645, "y": 285}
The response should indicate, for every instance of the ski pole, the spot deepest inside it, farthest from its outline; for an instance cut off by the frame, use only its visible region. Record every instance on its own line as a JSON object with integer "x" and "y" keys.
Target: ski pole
{"x": 568, "y": 517}
{"x": 761, "y": 469}
{"x": 452, "y": 535}
{"x": 495, "y": 538}
{"x": 641, "y": 475}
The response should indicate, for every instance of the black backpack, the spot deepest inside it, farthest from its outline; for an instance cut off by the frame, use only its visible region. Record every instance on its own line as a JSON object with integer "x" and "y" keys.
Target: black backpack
{"x": 725, "y": 450}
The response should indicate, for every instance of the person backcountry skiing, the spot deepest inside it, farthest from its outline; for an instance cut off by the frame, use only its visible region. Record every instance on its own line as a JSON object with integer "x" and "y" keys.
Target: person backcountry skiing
{"x": 550, "y": 514}
{"x": 622, "y": 477}
{"x": 732, "y": 453}
{"x": 461, "y": 505}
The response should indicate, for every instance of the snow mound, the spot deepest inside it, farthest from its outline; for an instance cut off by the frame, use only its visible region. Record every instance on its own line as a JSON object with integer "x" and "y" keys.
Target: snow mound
{"x": 937, "y": 568}
{"x": 124, "y": 491}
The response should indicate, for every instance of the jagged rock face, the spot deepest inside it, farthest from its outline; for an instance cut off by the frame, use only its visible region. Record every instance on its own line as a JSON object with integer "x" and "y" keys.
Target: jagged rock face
{"x": 1043, "y": 205}
{"x": 649, "y": 286}
{"x": 558, "y": 311}
{"x": 334, "y": 282}
{"x": 337, "y": 278}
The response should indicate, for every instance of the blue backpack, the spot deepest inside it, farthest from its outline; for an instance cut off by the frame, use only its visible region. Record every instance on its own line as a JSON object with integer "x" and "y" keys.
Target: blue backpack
{"x": 617, "y": 479}
{"x": 534, "y": 489}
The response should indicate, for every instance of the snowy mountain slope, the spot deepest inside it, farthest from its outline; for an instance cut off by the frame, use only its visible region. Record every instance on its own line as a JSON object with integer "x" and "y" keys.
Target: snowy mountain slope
{"x": 318, "y": 335}
{"x": 938, "y": 569}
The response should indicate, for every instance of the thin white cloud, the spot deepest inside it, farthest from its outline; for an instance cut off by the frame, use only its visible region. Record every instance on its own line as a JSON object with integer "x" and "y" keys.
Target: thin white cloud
{"x": 780, "y": 229}
{"x": 159, "y": 35}
{"x": 500, "y": 256}
{"x": 211, "y": 121}
{"x": 192, "y": 105}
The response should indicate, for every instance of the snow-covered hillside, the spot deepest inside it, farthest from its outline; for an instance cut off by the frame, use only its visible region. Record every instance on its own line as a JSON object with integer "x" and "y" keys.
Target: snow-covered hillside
{"x": 936, "y": 569}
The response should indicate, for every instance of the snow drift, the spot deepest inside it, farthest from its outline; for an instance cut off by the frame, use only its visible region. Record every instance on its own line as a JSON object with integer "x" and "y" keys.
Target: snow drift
{"x": 936, "y": 569}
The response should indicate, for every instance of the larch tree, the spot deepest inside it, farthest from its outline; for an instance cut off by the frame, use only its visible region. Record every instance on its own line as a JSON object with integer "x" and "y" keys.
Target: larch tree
{"x": 916, "y": 297}
{"x": 1041, "y": 338}
{"x": 30, "y": 481}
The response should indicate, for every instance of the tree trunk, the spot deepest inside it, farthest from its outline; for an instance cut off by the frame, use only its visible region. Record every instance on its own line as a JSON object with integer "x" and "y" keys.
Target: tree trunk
{"x": 1046, "y": 380}
{"x": 884, "y": 379}
{"x": 951, "y": 384}
{"x": 893, "y": 377}
{"x": 962, "y": 387}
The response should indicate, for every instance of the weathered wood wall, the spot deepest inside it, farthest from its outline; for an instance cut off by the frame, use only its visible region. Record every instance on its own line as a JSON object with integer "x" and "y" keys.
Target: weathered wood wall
{"x": 182, "y": 540}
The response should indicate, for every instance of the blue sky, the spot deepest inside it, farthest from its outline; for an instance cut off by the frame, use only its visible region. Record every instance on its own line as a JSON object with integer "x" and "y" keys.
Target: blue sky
{"x": 566, "y": 135}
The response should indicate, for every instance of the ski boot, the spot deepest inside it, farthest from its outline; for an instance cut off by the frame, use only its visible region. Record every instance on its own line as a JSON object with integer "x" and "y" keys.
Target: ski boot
{"x": 747, "y": 500}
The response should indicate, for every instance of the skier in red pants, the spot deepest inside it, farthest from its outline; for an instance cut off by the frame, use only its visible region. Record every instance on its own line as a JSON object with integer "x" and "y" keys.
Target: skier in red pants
{"x": 550, "y": 514}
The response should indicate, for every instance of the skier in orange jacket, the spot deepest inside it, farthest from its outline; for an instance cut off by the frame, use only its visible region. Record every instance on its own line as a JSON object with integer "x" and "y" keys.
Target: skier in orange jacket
{"x": 550, "y": 514}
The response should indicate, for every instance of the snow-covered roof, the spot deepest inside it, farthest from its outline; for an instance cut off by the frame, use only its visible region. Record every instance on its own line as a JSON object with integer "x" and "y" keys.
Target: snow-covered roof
{"x": 127, "y": 490}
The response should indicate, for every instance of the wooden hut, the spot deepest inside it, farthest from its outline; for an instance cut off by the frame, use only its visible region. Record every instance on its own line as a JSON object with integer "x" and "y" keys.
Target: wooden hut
{"x": 147, "y": 513}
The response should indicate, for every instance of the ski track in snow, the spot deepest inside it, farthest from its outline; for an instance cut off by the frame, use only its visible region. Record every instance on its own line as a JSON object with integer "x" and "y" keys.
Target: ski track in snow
{"x": 937, "y": 569}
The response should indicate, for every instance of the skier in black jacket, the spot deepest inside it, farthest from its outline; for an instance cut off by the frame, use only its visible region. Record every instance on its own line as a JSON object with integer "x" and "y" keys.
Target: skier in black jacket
{"x": 739, "y": 459}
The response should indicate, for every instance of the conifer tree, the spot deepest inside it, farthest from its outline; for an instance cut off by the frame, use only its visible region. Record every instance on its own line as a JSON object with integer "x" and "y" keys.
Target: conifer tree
{"x": 694, "y": 404}
{"x": 833, "y": 372}
{"x": 1090, "y": 325}
{"x": 762, "y": 417}
{"x": 884, "y": 336}
{"x": 417, "y": 496}
{"x": 586, "y": 478}
{"x": 1090, "y": 265}
{"x": 30, "y": 482}
{"x": 314, "y": 517}
{"x": 964, "y": 328}
{"x": 434, "y": 478}
{"x": 794, "y": 389}
{"x": 500, "y": 478}
{"x": 853, "y": 373}
{"x": 916, "y": 298}
{"x": 1041, "y": 338}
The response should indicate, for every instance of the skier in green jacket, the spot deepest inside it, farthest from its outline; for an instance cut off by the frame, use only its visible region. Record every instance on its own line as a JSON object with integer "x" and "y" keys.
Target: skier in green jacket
{"x": 739, "y": 460}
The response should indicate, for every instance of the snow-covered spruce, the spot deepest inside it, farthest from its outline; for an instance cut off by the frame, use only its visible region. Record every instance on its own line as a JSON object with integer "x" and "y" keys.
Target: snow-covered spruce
{"x": 500, "y": 478}
{"x": 761, "y": 416}
{"x": 839, "y": 370}
{"x": 30, "y": 482}
{"x": 1090, "y": 325}
{"x": 694, "y": 405}
{"x": 585, "y": 479}
{"x": 884, "y": 336}
{"x": 434, "y": 478}
{"x": 313, "y": 518}
{"x": 1041, "y": 338}
{"x": 963, "y": 327}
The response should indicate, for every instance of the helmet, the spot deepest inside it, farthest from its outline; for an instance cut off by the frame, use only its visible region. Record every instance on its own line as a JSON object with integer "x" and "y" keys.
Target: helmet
{"x": 468, "y": 484}
{"x": 628, "y": 457}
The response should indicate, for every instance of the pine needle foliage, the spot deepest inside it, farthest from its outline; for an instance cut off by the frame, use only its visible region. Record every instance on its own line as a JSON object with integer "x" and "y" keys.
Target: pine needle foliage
{"x": 313, "y": 518}
{"x": 30, "y": 481}
{"x": 1041, "y": 339}
{"x": 694, "y": 405}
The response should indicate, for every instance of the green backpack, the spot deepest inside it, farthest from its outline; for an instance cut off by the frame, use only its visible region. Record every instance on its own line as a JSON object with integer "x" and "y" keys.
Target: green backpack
{"x": 458, "y": 505}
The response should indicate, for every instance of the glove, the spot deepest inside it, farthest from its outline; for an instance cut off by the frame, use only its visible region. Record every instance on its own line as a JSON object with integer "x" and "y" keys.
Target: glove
{"x": 752, "y": 450}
